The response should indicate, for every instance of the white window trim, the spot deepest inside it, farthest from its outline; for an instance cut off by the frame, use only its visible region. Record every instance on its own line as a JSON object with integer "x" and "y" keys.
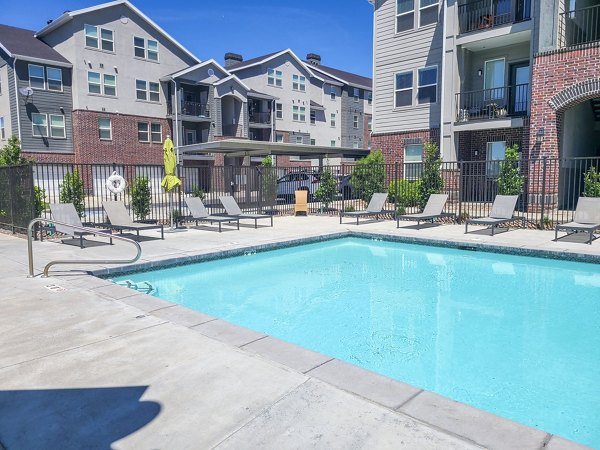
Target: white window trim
{"x": 299, "y": 140}
{"x": 485, "y": 63}
{"x": 333, "y": 120}
{"x": 493, "y": 164}
{"x": 137, "y": 46}
{"x": 356, "y": 94}
{"x": 99, "y": 38}
{"x": 408, "y": 177}
{"x": 370, "y": 98}
{"x": 300, "y": 81}
{"x": 411, "y": 88}
{"x": 157, "y": 60}
{"x": 313, "y": 117}
{"x": 300, "y": 113}
{"x": 279, "y": 110}
{"x": 146, "y": 49}
{"x": 437, "y": 74}
{"x": 95, "y": 84}
{"x": 43, "y": 76}
{"x": 147, "y": 131}
{"x": 355, "y": 121}
{"x": 332, "y": 92}
{"x": 104, "y": 75}
{"x": 64, "y": 126}
{"x": 156, "y": 132}
{"x": 421, "y": 8}
{"x": 33, "y": 125}
{"x": 145, "y": 90}
{"x": 53, "y": 79}
{"x": 109, "y": 129}
{"x": 277, "y": 77}
{"x": 332, "y": 143}
{"x": 412, "y": 11}
{"x": 2, "y": 129}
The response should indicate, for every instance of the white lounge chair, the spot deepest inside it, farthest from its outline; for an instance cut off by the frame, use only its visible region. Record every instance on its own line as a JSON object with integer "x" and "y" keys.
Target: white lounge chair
{"x": 503, "y": 210}
{"x": 232, "y": 209}
{"x": 66, "y": 213}
{"x": 586, "y": 218}
{"x": 374, "y": 208}
{"x": 119, "y": 219}
{"x": 201, "y": 214}
{"x": 433, "y": 210}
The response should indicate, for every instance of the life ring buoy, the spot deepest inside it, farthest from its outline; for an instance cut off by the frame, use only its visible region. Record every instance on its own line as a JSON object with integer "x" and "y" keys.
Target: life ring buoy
{"x": 116, "y": 183}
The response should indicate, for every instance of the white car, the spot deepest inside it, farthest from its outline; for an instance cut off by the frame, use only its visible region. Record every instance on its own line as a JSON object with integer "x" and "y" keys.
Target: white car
{"x": 297, "y": 181}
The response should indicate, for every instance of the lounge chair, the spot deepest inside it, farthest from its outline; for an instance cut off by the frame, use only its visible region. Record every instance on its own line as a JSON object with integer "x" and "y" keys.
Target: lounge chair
{"x": 232, "y": 209}
{"x": 201, "y": 214}
{"x": 433, "y": 210}
{"x": 374, "y": 208}
{"x": 586, "y": 218}
{"x": 119, "y": 219}
{"x": 301, "y": 202}
{"x": 502, "y": 212}
{"x": 66, "y": 213}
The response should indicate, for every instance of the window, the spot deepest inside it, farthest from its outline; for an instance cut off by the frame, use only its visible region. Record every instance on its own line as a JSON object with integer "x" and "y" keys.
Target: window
{"x": 313, "y": 116}
{"x": 313, "y": 142}
{"x": 405, "y": 15}
{"x": 370, "y": 123}
{"x": 299, "y": 113}
{"x": 274, "y": 77}
{"x": 298, "y": 83}
{"x": 332, "y": 143}
{"x": 2, "y": 129}
{"x": 143, "y": 132}
{"x": 154, "y": 89}
{"x": 94, "y": 85}
{"x": 54, "y": 76}
{"x": 140, "y": 90}
{"x": 355, "y": 121}
{"x": 370, "y": 97}
{"x": 332, "y": 120}
{"x": 106, "y": 42}
{"x": 57, "y": 126}
{"x": 299, "y": 140}
{"x": 404, "y": 85}
{"x": 36, "y": 77}
{"x": 110, "y": 85}
{"x": 147, "y": 90}
{"x": 156, "y": 133}
{"x": 40, "y": 125}
{"x": 356, "y": 94}
{"x": 427, "y": 92}
{"x": 355, "y": 144}
{"x": 107, "y": 87}
{"x": 145, "y": 48}
{"x": 278, "y": 110}
{"x": 428, "y": 12}
{"x": 278, "y": 137}
{"x": 495, "y": 154}
{"x": 332, "y": 92}
{"x": 105, "y": 129}
{"x": 413, "y": 159}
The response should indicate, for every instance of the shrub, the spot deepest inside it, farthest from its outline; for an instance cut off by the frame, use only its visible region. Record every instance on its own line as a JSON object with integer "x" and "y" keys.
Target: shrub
{"x": 268, "y": 180}
{"x": 197, "y": 192}
{"x": 40, "y": 200}
{"x": 141, "y": 197}
{"x": 510, "y": 180}
{"x": 431, "y": 178}
{"x": 404, "y": 192}
{"x": 591, "y": 183}
{"x": 71, "y": 191}
{"x": 368, "y": 177}
{"x": 327, "y": 190}
{"x": 10, "y": 154}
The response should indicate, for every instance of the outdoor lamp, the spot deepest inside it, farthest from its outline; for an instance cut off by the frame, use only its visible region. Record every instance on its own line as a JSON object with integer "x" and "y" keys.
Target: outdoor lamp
{"x": 479, "y": 72}
{"x": 539, "y": 137}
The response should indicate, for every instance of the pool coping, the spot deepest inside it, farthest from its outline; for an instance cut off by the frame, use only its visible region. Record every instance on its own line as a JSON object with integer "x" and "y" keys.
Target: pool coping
{"x": 455, "y": 418}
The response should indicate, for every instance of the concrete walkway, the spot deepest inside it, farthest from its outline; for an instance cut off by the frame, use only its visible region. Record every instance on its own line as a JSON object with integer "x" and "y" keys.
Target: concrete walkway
{"x": 88, "y": 364}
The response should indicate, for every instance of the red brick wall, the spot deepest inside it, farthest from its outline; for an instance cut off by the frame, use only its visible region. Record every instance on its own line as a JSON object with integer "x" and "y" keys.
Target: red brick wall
{"x": 392, "y": 144}
{"x": 124, "y": 148}
{"x": 472, "y": 142}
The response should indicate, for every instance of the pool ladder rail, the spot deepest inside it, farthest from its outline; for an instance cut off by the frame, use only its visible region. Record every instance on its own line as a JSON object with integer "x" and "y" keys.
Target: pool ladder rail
{"x": 145, "y": 287}
{"x": 74, "y": 261}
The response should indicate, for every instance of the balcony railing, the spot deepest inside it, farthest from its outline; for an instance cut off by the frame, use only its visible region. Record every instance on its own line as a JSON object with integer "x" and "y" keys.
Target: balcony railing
{"x": 495, "y": 103}
{"x": 580, "y": 26}
{"x": 260, "y": 117}
{"x": 195, "y": 109}
{"x": 482, "y": 14}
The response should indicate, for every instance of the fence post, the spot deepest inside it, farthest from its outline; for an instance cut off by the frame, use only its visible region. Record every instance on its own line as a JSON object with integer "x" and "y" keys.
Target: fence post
{"x": 460, "y": 188}
{"x": 543, "y": 199}
{"x": 114, "y": 170}
{"x": 395, "y": 181}
{"x": 180, "y": 189}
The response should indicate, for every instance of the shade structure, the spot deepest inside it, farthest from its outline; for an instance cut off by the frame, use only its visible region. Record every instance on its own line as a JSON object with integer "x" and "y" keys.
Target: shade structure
{"x": 170, "y": 181}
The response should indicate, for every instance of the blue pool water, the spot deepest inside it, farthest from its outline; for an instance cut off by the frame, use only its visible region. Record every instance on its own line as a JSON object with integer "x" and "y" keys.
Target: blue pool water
{"x": 516, "y": 336}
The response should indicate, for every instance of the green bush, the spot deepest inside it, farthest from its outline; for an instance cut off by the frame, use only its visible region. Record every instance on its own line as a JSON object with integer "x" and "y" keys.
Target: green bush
{"x": 10, "y": 154}
{"x": 141, "y": 197}
{"x": 591, "y": 183}
{"x": 268, "y": 180}
{"x": 197, "y": 192}
{"x": 431, "y": 178}
{"x": 40, "y": 200}
{"x": 368, "y": 176}
{"x": 404, "y": 192}
{"x": 327, "y": 190}
{"x": 71, "y": 191}
{"x": 510, "y": 180}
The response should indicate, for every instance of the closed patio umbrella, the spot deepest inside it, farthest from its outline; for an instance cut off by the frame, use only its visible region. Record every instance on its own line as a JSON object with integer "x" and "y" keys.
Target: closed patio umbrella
{"x": 170, "y": 181}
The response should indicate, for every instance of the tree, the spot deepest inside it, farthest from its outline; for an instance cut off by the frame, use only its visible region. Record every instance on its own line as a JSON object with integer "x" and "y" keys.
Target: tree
{"x": 327, "y": 190}
{"x": 141, "y": 197}
{"x": 72, "y": 191}
{"x": 510, "y": 180}
{"x": 268, "y": 180}
{"x": 431, "y": 178}
{"x": 10, "y": 154}
{"x": 368, "y": 177}
{"x": 591, "y": 183}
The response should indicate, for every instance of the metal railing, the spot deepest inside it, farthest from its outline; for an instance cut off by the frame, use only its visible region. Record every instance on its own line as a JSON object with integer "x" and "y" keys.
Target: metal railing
{"x": 30, "y": 234}
{"x": 17, "y": 196}
{"x": 483, "y": 14}
{"x": 260, "y": 117}
{"x": 579, "y": 26}
{"x": 195, "y": 109}
{"x": 494, "y": 103}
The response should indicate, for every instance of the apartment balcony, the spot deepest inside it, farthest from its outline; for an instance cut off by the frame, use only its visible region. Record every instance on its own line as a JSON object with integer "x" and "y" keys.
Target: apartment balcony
{"x": 579, "y": 26}
{"x": 487, "y": 14}
{"x": 259, "y": 118}
{"x": 496, "y": 104}
{"x": 199, "y": 111}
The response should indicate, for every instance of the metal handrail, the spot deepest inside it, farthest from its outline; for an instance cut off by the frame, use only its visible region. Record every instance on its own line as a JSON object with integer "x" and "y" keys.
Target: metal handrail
{"x": 88, "y": 261}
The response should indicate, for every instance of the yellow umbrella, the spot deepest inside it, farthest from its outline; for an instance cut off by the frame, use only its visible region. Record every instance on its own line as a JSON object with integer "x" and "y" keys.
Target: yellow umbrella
{"x": 170, "y": 181}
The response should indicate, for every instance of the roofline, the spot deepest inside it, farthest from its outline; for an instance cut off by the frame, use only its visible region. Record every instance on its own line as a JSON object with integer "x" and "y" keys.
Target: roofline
{"x": 50, "y": 62}
{"x": 198, "y": 66}
{"x": 69, "y": 16}
{"x": 5, "y": 50}
{"x": 232, "y": 77}
{"x": 341, "y": 80}
{"x": 277, "y": 55}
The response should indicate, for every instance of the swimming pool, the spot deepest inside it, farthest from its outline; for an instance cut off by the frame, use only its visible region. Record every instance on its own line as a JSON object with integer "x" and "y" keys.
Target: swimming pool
{"x": 516, "y": 336}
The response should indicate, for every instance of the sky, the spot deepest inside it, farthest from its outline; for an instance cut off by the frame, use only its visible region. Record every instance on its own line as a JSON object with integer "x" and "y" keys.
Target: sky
{"x": 339, "y": 30}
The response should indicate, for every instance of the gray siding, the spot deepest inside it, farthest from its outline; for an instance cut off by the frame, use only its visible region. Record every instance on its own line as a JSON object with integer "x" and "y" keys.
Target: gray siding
{"x": 350, "y": 108}
{"x": 45, "y": 102}
{"x": 9, "y": 92}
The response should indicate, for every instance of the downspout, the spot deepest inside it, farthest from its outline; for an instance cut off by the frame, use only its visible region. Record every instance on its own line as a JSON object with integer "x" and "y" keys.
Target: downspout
{"x": 176, "y": 104}
{"x": 442, "y": 89}
{"x": 17, "y": 100}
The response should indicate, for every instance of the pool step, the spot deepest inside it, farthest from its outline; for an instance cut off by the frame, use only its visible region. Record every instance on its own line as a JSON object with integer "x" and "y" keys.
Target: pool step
{"x": 142, "y": 286}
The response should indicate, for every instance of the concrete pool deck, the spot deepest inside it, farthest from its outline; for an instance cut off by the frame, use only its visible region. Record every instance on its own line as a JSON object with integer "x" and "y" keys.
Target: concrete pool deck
{"x": 86, "y": 363}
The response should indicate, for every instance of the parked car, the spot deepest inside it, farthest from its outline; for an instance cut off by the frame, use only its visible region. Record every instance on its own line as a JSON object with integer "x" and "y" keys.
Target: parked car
{"x": 297, "y": 181}
{"x": 345, "y": 186}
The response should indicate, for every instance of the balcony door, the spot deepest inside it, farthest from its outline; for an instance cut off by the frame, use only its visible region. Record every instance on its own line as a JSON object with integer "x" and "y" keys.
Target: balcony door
{"x": 519, "y": 81}
{"x": 494, "y": 79}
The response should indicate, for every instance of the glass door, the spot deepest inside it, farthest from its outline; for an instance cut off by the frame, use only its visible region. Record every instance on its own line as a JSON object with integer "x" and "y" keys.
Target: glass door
{"x": 493, "y": 80}
{"x": 519, "y": 81}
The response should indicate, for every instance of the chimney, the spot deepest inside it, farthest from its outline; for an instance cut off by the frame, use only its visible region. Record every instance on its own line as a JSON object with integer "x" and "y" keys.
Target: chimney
{"x": 314, "y": 59}
{"x": 232, "y": 59}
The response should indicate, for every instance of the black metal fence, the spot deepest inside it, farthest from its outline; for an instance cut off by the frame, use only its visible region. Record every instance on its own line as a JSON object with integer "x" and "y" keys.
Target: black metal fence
{"x": 494, "y": 103}
{"x": 579, "y": 26}
{"x": 549, "y": 189}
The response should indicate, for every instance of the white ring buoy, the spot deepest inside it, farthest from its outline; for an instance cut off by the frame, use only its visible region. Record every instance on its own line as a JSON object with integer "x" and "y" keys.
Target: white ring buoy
{"x": 116, "y": 183}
